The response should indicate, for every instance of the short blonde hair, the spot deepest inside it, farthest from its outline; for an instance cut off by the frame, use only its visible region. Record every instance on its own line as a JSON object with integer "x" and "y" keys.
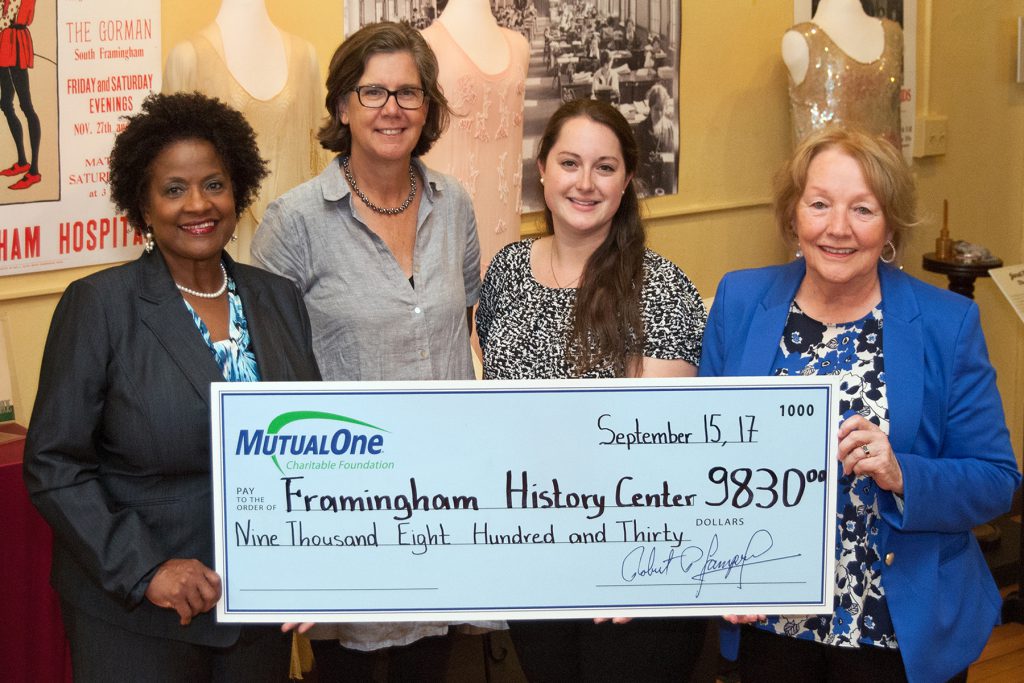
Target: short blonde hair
{"x": 885, "y": 172}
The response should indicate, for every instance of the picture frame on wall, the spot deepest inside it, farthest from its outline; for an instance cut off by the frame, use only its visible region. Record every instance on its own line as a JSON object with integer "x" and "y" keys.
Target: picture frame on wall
{"x": 571, "y": 41}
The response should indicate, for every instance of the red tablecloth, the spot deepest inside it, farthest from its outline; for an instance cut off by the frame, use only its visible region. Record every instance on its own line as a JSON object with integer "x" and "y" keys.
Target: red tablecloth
{"x": 32, "y": 643}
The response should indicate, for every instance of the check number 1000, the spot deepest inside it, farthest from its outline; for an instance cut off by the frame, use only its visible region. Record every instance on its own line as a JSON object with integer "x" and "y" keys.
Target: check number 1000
{"x": 762, "y": 487}
{"x": 796, "y": 410}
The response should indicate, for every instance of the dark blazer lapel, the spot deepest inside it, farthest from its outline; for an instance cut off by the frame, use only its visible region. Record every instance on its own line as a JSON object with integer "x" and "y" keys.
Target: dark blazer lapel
{"x": 769, "y": 320}
{"x": 162, "y": 311}
{"x": 903, "y": 354}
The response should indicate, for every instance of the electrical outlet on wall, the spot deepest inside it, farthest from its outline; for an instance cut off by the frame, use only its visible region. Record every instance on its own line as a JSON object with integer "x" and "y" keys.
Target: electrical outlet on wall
{"x": 930, "y": 135}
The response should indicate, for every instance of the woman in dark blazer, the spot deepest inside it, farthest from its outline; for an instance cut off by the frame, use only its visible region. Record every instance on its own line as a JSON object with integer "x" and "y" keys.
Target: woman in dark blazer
{"x": 118, "y": 452}
{"x": 924, "y": 446}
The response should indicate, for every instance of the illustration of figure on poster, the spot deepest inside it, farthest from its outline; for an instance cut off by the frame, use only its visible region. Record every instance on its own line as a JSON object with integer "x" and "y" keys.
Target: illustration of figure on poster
{"x": 17, "y": 56}
{"x": 642, "y": 38}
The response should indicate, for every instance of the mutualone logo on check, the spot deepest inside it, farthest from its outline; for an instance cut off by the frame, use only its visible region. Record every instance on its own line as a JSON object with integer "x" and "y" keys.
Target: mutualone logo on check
{"x": 313, "y": 449}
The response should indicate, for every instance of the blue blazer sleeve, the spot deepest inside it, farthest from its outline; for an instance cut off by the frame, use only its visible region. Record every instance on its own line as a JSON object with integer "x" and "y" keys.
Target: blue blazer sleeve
{"x": 961, "y": 471}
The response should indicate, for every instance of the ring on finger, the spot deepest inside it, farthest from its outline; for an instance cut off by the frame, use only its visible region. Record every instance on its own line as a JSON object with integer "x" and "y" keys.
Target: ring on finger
{"x": 867, "y": 451}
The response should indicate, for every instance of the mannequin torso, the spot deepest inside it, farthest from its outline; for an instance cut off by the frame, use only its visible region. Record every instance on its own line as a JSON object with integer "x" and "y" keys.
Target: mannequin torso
{"x": 474, "y": 28}
{"x": 273, "y": 78}
{"x": 483, "y": 73}
{"x": 860, "y": 36}
{"x": 254, "y": 49}
{"x": 845, "y": 68}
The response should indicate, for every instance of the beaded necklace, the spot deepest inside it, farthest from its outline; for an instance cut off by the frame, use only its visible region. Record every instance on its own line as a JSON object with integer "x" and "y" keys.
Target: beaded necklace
{"x": 366, "y": 200}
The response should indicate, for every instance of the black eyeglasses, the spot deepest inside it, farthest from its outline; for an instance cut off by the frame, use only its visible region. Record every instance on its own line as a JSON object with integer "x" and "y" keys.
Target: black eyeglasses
{"x": 376, "y": 96}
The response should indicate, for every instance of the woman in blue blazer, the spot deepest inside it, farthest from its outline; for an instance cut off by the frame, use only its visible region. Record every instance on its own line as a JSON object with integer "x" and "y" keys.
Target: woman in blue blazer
{"x": 924, "y": 447}
{"x": 118, "y": 452}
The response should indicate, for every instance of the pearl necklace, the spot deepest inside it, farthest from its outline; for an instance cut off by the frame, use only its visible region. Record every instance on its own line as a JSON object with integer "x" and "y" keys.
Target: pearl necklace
{"x": 366, "y": 200}
{"x": 207, "y": 295}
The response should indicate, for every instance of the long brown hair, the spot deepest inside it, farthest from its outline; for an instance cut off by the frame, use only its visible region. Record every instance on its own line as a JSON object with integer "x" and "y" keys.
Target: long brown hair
{"x": 607, "y": 327}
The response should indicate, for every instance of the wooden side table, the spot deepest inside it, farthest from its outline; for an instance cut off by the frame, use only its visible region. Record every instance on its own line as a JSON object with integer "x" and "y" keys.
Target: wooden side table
{"x": 961, "y": 275}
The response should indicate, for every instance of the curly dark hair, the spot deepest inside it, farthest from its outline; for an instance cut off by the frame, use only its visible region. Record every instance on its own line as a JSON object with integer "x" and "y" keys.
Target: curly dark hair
{"x": 166, "y": 119}
{"x": 607, "y": 324}
{"x": 348, "y": 64}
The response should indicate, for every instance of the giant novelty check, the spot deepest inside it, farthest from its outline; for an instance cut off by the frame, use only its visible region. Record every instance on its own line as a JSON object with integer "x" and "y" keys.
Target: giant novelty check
{"x": 508, "y": 500}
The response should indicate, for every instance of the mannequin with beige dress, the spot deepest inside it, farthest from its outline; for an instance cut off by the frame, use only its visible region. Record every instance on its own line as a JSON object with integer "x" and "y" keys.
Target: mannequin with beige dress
{"x": 483, "y": 73}
{"x": 845, "y": 67}
{"x": 270, "y": 76}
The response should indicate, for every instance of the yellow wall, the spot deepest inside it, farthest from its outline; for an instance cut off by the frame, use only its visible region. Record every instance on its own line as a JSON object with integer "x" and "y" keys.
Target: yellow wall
{"x": 970, "y": 79}
{"x": 734, "y": 132}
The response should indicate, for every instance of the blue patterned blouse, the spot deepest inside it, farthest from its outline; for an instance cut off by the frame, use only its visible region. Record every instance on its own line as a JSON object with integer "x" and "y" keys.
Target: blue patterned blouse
{"x": 853, "y": 351}
{"x": 233, "y": 355}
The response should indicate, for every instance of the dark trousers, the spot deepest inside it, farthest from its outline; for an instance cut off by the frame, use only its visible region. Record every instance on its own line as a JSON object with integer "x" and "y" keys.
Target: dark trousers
{"x": 102, "y": 652}
{"x": 424, "y": 660}
{"x": 14, "y": 80}
{"x": 646, "y": 650}
{"x": 770, "y": 657}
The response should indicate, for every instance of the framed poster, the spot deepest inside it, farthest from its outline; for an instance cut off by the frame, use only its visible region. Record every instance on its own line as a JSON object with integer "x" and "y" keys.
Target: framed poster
{"x": 79, "y": 68}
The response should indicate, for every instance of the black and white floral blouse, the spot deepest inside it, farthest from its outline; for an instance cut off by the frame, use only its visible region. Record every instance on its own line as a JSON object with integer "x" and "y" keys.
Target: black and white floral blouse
{"x": 854, "y": 352}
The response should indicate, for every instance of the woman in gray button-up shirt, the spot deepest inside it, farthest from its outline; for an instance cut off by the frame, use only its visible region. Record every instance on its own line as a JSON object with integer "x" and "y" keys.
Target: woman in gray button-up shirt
{"x": 385, "y": 252}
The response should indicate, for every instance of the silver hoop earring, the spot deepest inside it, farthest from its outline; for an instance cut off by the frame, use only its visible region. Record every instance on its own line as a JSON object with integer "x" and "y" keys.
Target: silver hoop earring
{"x": 892, "y": 257}
{"x": 147, "y": 236}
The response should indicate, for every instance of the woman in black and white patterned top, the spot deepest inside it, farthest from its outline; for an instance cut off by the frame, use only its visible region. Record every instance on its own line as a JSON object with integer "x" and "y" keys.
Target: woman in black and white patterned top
{"x": 523, "y": 323}
{"x": 590, "y": 300}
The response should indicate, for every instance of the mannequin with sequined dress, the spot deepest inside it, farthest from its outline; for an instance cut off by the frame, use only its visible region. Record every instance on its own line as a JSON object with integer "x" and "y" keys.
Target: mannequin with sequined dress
{"x": 845, "y": 67}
